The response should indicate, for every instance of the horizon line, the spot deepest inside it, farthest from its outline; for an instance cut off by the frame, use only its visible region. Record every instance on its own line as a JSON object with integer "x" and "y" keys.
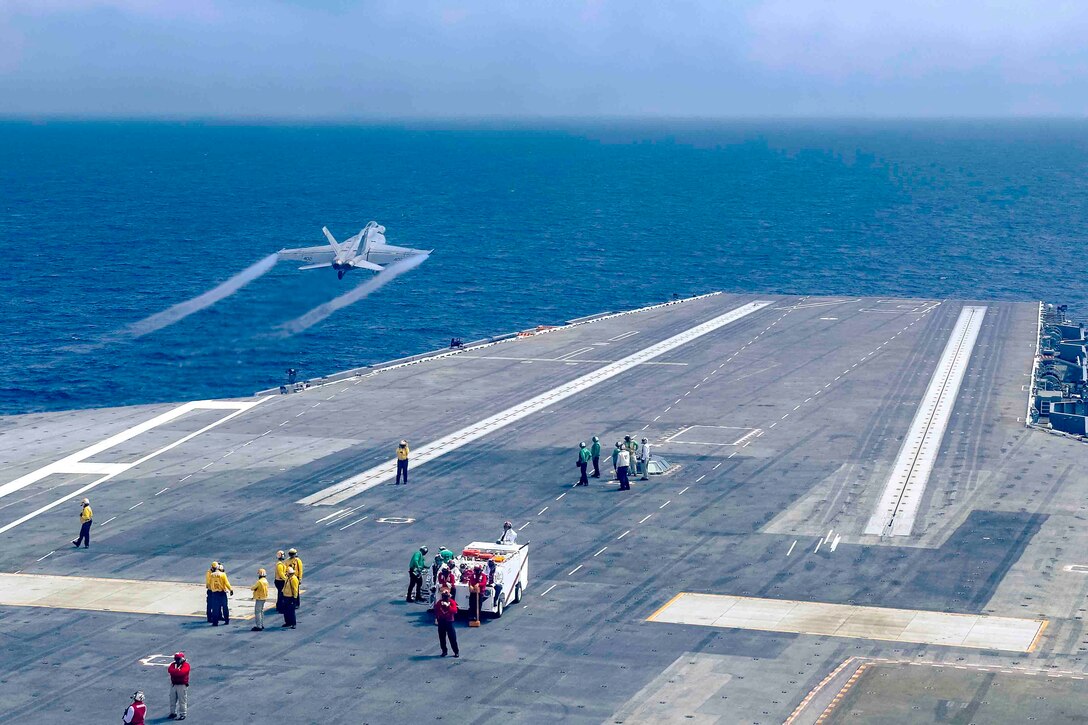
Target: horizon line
{"x": 519, "y": 119}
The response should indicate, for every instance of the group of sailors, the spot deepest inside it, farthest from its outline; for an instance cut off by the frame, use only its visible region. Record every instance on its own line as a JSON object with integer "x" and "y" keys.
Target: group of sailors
{"x": 288, "y": 581}
{"x": 627, "y": 457}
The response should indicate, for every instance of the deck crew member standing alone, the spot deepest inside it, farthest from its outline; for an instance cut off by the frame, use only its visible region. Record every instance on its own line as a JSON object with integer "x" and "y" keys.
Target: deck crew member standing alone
{"x": 445, "y": 612}
{"x": 84, "y": 525}
{"x": 595, "y": 451}
{"x": 402, "y": 462}
{"x": 179, "y": 686}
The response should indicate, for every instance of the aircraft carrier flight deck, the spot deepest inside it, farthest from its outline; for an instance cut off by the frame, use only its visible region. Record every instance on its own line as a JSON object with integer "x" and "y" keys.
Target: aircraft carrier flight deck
{"x": 854, "y": 524}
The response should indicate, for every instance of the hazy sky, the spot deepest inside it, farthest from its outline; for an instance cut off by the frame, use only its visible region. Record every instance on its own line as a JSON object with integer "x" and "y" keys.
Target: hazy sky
{"x": 330, "y": 58}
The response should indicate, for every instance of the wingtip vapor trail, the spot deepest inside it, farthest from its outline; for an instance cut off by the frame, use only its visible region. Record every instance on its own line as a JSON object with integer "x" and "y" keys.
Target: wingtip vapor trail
{"x": 181, "y": 310}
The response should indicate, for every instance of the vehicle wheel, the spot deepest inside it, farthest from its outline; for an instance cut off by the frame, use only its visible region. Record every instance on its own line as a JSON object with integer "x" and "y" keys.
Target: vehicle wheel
{"x": 498, "y": 609}
{"x": 517, "y": 594}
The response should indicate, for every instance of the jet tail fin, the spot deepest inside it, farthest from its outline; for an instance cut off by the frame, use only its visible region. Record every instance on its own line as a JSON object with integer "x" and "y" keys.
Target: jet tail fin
{"x": 316, "y": 266}
{"x": 332, "y": 240}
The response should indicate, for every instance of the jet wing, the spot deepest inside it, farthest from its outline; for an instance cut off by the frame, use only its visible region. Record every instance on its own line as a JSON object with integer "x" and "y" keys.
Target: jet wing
{"x": 314, "y": 255}
{"x": 363, "y": 264}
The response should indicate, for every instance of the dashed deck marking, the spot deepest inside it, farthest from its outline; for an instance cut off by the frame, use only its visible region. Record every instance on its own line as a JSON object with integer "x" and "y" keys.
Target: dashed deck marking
{"x": 353, "y": 523}
{"x": 326, "y": 518}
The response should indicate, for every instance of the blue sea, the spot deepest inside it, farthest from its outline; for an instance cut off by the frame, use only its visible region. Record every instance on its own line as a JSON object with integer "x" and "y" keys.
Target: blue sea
{"x": 103, "y": 223}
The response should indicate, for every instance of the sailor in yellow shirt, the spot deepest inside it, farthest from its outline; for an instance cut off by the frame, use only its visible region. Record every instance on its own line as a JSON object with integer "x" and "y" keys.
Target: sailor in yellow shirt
{"x": 290, "y": 598}
{"x": 85, "y": 515}
{"x": 208, "y": 575}
{"x": 402, "y": 462}
{"x": 293, "y": 562}
{"x": 220, "y": 588}
{"x": 281, "y": 578}
{"x": 260, "y": 595}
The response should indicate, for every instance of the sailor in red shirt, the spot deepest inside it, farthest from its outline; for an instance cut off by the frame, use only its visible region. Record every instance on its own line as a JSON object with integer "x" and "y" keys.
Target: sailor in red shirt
{"x": 179, "y": 686}
{"x": 445, "y": 612}
{"x": 136, "y": 712}
{"x": 447, "y": 580}
{"x": 477, "y": 586}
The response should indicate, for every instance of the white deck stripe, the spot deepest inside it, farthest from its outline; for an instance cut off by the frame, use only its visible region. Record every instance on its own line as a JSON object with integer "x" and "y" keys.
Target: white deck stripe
{"x": 842, "y": 620}
{"x": 355, "y": 485}
{"x": 238, "y": 409}
{"x": 577, "y": 352}
{"x": 902, "y": 495}
{"x": 75, "y": 463}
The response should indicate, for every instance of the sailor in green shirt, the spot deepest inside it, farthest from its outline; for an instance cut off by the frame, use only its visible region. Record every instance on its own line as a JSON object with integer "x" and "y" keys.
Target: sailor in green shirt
{"x": 632, "y": 448}
{"x": 583, "y": 462}
{"x": 416, "y": 567}
{"x": 595, "y": 451}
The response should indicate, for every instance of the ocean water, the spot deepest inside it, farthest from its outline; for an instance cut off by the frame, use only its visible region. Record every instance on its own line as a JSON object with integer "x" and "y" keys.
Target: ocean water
{"x": 102, "y": 224}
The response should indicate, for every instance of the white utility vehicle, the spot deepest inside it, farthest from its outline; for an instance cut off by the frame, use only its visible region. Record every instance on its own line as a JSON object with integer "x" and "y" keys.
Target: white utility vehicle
{"x": 506, "y": 587}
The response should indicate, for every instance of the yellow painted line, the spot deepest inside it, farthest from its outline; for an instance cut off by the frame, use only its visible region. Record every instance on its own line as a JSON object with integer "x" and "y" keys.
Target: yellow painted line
{"x": 816, "y": 690}
{"x": 663, "y": 607}
{"x": 1038, "y": 636}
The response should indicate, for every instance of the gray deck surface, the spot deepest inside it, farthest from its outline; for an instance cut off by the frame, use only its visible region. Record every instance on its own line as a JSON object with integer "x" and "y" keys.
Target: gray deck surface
{"x": 1003, "y": 513}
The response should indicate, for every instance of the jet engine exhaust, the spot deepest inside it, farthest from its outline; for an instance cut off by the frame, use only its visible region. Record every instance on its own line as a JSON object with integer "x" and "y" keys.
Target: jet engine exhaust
{"x": 319, "y": 313}
{"x": 182, "y": 310}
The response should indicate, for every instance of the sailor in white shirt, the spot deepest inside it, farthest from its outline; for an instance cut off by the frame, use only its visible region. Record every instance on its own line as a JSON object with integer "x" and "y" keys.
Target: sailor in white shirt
{"x": 624, "y": 461}
{"x": 509, "y": 536}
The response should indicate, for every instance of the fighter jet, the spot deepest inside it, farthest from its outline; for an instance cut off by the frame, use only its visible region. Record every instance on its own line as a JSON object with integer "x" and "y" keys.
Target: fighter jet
{"x": 366, "y": 250}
